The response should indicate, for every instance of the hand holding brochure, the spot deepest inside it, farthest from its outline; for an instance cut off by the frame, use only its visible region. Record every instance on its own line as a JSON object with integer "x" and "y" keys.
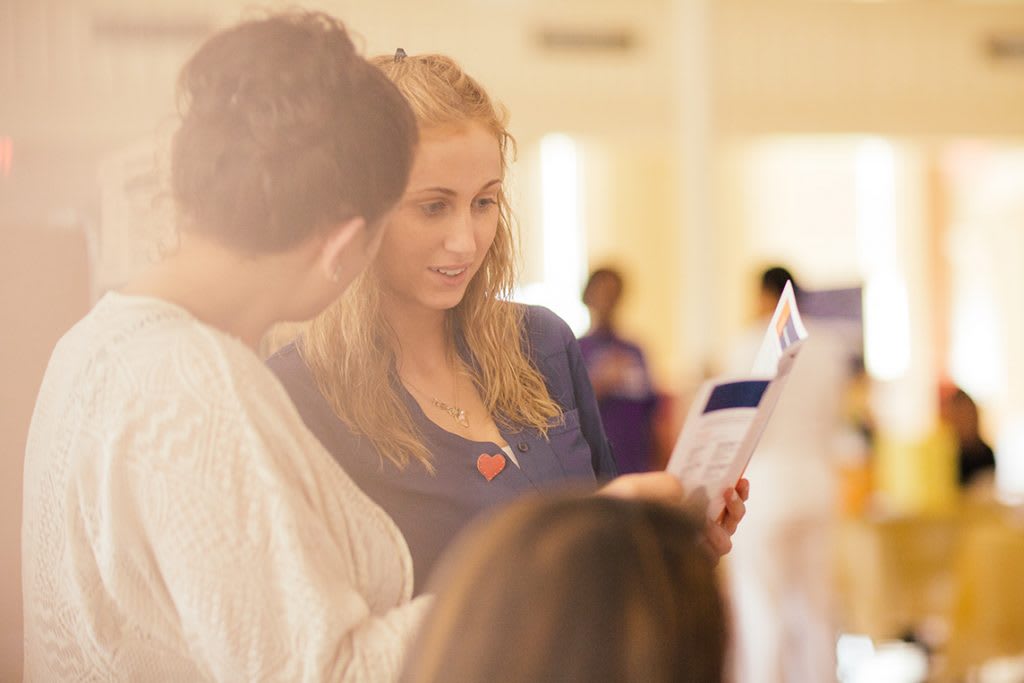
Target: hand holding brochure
{"x": 728, "y": 416}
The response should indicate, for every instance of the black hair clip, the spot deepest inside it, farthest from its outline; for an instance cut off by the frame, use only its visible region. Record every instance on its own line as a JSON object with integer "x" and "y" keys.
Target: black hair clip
{"x": 400, "y": 55}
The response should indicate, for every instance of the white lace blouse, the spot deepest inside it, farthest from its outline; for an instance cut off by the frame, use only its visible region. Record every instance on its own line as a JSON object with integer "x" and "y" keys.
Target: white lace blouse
{"x": 181, "y": 523}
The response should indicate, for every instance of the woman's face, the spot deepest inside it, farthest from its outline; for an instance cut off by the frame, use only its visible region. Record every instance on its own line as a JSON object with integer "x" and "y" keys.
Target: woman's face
{"x": 446, "y": 220}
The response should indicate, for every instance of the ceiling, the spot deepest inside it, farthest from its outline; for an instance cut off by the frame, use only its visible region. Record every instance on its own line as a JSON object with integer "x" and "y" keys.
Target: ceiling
{"x": 80, "y": 79}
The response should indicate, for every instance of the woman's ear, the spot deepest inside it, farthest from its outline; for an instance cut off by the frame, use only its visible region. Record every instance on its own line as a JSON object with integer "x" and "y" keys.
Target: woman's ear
{"x": 343, "y": 253}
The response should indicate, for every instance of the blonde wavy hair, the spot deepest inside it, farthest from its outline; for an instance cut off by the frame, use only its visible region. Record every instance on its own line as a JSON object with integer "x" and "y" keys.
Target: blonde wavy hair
{"x": 350, "y": 347}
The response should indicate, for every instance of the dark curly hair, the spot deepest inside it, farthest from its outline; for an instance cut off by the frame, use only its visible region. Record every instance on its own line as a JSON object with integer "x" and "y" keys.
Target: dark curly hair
{"x": 286, "y": 130}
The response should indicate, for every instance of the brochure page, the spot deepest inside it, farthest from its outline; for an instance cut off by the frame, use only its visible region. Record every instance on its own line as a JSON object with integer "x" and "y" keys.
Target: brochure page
{"x": 728, "y": 415}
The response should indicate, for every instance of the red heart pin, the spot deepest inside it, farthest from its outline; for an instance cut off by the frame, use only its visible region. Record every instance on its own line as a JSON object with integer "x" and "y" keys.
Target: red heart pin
{"x": 490, "y": 465}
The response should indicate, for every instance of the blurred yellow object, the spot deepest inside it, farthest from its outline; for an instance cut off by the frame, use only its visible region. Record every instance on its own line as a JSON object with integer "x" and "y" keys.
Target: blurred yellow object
{"x": 896, "y": 573}
{"x": 988, "y": 621}
{"x": 952, "y": 580}
{"x": 855, "y": 485}
{"x": 917, "y": 478}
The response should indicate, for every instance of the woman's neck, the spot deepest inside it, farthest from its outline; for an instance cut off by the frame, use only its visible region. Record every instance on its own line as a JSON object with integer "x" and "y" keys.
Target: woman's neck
{"x": 423, "y": 344}
{"x": 238, "y": 294}
{"x": 600, "y": 325}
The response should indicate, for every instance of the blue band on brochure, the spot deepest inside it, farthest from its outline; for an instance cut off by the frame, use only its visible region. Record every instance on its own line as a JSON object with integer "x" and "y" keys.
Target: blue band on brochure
{"x": 745, "y": 394}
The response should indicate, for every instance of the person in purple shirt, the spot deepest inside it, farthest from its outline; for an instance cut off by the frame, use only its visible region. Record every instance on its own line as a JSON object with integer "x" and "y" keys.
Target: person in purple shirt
{"x": 438, "y": 396}
{"x": 619, "y": 376}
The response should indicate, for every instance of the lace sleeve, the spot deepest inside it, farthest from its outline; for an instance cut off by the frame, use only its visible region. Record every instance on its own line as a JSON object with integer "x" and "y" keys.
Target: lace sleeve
{"x": 226, "y": 518}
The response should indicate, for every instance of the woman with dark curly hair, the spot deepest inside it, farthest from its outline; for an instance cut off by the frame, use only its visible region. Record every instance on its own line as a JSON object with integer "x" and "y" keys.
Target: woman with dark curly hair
{"x": 180, "y": 522}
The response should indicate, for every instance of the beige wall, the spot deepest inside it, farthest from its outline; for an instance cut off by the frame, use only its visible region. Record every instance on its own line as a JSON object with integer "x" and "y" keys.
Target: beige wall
{"x": 917, "y": 68}
{"x": 44, "y": 288}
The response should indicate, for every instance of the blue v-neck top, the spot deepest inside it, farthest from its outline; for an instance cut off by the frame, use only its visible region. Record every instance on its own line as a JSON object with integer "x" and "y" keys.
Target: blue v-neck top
{"x": 431, "y": 508}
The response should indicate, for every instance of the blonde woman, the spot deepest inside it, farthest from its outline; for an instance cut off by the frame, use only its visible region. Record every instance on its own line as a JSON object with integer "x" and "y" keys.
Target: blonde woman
{"x": 439, "y": 397}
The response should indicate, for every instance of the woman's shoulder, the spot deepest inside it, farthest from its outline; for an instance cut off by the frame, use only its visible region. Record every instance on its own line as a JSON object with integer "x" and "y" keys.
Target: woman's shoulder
{"x": 287, "y": 361}
{"x": 291, "y": 369}
{"x": 294, "y": 372}
{"x": 546, "y": 332}
{"x": 162, "y": 351}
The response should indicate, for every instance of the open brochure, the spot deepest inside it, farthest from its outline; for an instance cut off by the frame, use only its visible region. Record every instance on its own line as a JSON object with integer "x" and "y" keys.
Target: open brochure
{"x": 729, "y": 415}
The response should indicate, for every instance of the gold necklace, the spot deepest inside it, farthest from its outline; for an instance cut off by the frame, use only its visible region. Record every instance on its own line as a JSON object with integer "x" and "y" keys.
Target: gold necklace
{"x": 454, "y": 411}
{"x": 457, "y": 413}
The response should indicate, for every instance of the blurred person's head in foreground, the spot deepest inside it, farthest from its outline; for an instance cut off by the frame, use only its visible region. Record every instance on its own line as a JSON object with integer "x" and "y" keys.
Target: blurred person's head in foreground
{"x": 575, "y": 589}
{"x": 601, "y": 296}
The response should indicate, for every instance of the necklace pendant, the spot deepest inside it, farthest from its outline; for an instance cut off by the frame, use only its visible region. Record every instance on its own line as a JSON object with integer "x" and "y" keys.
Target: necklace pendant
{"x": 454, "y": 412}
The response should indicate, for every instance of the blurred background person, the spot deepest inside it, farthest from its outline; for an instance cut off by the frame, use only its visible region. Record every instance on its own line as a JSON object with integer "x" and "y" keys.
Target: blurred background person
{"x": 976, "y": 461}
{"x": 781, "y": 573}
{"x": 576, "y": 591}
{"x": 619, "y": 374}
